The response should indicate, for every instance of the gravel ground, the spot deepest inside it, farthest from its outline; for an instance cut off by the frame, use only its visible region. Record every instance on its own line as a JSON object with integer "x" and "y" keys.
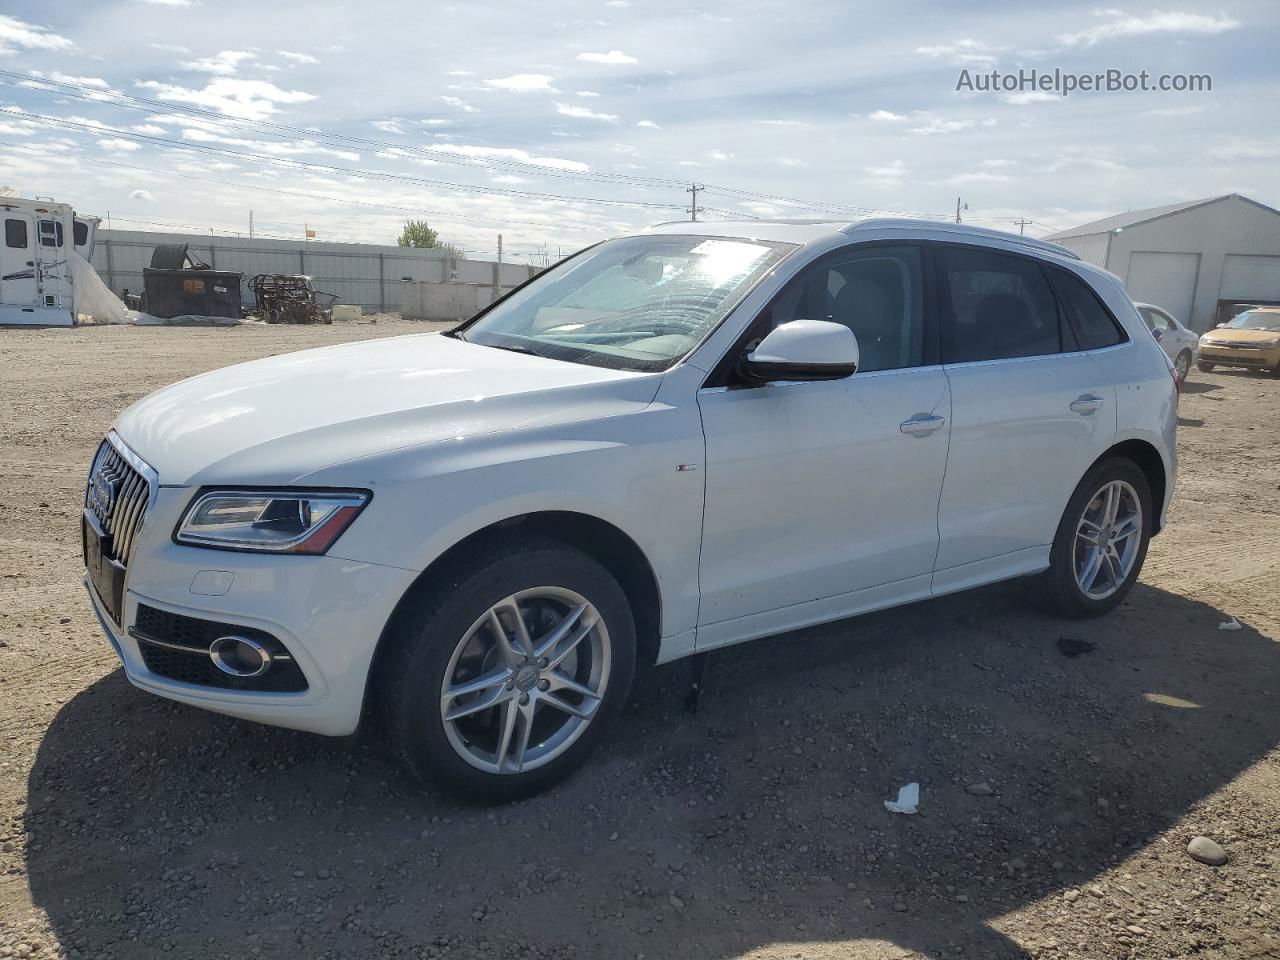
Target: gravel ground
{"x": 1058, "y": 794}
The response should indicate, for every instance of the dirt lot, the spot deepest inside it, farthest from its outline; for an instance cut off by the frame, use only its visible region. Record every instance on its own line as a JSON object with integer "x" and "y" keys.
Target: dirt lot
{"x": 133, "y": 827}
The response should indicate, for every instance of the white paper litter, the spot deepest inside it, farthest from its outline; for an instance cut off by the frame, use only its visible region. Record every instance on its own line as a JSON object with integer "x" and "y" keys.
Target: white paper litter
{"x": 1232, "y": 624}
{"x": 908, "y": 800}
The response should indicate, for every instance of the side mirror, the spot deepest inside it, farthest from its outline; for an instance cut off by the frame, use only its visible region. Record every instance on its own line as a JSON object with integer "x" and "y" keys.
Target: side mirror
{"x": 804, "y": 350}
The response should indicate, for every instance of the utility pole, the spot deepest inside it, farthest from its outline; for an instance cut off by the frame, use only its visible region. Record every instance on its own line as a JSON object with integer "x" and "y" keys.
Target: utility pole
{"x": 250, "y": 224}
{"x": 694, "y": 209}
{"x": 1022, "y": 226}
{"x": 497, "y": 272}
{"x": 960, "y": 207}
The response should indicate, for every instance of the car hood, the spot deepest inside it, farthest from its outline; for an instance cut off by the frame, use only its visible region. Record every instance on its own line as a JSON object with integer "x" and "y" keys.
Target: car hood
{"x": 273, "y": 421}
{"x": 1230, "y": 335}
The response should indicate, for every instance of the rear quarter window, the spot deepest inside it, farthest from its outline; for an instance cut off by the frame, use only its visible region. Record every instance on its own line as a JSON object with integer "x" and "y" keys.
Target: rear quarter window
{"x": 1091, "y": 322}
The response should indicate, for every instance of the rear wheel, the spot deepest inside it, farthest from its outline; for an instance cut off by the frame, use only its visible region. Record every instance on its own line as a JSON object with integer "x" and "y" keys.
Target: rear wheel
{"x": 1204, "y": 365}
{"x": 504, "y": 681}
{"x": 1101, "y": 541}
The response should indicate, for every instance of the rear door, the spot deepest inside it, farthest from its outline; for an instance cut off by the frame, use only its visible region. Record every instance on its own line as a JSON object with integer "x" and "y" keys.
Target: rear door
{"x": 18, "y": 284}
{"x": 1030, "y": 412}
{"x": 825, "y": 489}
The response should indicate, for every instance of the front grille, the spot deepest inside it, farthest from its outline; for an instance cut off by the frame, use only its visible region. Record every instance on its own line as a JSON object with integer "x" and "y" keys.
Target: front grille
{"x": 117, "y": 495}
{"x": 177, "y": 647}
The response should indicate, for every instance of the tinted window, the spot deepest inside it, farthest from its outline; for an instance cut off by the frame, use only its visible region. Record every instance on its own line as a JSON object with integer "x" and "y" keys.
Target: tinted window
{"x": 876, "y": 292}
{"x": 80, "y": 233}
{"x": 1090, "y": 320}
{"x": 1001, "y": 307}
{"x": 15, "y": 234}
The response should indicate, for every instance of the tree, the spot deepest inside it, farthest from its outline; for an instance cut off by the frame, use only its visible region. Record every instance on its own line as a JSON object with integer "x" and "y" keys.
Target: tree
{"x": 416, "y": 233}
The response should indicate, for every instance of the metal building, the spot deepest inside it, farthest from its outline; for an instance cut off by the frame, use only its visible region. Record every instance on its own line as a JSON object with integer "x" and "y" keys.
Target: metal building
{"x": 1201, "y": 260}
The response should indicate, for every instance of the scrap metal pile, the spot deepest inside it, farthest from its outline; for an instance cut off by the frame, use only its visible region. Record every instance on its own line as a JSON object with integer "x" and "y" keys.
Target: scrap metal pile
{"x": 290, "y": 298}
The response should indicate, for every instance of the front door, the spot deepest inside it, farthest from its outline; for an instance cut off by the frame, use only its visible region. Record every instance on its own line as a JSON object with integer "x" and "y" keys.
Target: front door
{"x": 822, "y": 490}
{"x": 18, "y": 284}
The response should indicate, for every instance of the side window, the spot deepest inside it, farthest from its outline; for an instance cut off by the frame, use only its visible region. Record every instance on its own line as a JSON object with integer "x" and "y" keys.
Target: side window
{"x": 877, "y": 292}
{"x": 50, "y": 233}
{"x": 80, "y": 233}
{"x": 1154, "y": 318}
{"x": 15, "y": 234}
{"x": 1001, "y": 307}
{"x": 1094, "y": 328}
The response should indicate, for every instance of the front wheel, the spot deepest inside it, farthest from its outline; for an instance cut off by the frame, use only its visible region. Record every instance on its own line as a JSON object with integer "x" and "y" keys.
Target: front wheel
{"x": 1182, "y": 366}
{"x": 1204, "y": 365}
{"x": 1101, "y": 541}
{"x": 504, "y": 679}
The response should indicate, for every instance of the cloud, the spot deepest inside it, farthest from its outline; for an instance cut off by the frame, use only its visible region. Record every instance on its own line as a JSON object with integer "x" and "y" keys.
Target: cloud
{"x": 170, "y": 47}
{"x": 613, "y": 57}
{"x": 648, "y": 125}
{"x": 719, "y": 155}
{"x": 585, "y": 93}
{"x": 149, "y": 129}
{"x": 145, "y": 195}
{"x": 117, "y": 145}
{"x": 1175, "y": 111}
{"x": 390, "y": 125}
{"x": 582, "y": 113}
{"x": 523, "y": 83}
{"x": 936, "y": 125}
{"x": 1120, "y": 24}
{"x": 460, "y": 104}
{"x": 964, "y": 51}
{"x": 224, "y": 64}
{"x": 618, "y": 3}
{"x": 210, "y": 133}
{"x": 299, "y": 58}
{"x": 886, "y": 116}
{"x": 509, "y": 178}
{"x": 1031, "y": 96}
{"x": 978, "y": 176}
{"x": 96, "y": 82}
{"x": 894, "y": 170}
{"x": 170, "y": 3}
{"x": 244, "y": 99}
{"x": 781, "y": 123}
{"x": 15, "y": 34}
{"x": 791, "y": 162}
{"x": 1251, "y": 149}
{"x": 510, "y": 153}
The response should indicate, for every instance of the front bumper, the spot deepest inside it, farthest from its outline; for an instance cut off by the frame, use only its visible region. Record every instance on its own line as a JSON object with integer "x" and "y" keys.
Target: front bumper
{"x": 327, "y": 612}
{"x": 1237, "y": 356}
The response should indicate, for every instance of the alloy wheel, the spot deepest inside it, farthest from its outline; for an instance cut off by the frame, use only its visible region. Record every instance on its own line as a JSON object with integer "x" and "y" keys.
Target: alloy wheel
{"x": 525, "y": 680}
{"x": 1108, "y": 539}
{"x": 1182, "y": 366}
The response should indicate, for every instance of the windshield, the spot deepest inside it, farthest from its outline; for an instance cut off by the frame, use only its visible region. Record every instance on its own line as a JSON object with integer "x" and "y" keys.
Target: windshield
{"x": 637, "y": 303}
{"x": 1256, "y": 320}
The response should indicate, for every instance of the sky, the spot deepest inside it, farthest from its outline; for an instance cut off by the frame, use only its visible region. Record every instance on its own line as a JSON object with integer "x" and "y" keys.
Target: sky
{"x": 563, "y": 122}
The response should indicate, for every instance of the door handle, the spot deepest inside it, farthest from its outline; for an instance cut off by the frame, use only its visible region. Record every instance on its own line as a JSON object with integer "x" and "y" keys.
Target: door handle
{"x": 1086, "y": 405}
{"x": 922, "y": 426}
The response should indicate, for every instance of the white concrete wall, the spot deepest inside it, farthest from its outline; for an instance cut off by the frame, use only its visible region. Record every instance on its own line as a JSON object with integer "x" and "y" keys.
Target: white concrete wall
{"x": 363, "y": 274}
{"x": 444, "y": 301}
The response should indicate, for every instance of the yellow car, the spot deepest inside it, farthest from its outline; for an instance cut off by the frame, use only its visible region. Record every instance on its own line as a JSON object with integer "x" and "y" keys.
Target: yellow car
{"x": 1249, "y": 339}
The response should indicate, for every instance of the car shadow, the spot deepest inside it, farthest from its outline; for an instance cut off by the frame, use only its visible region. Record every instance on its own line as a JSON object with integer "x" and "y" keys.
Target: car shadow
{"x": 1198, "y": 386}
{"x": 756, "y": 821}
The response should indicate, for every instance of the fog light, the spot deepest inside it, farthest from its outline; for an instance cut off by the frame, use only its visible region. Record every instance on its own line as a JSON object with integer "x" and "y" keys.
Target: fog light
{"x": 240, "y": 656}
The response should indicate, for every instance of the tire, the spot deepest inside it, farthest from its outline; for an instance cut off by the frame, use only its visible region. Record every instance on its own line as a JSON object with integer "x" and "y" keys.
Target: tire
{"x": 1071, "y": 553}
{"x": 1182, "y": 366}
{"x": 1204, "y": 365}
{"x": 447, "y": 630}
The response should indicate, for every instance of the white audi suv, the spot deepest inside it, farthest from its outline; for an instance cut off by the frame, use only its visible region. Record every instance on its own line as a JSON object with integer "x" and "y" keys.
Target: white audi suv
{"x": 699, "y": 434}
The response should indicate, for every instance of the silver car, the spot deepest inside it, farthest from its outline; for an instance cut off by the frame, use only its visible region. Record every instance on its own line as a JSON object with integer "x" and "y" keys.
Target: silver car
{"x": 1179, "y": 343}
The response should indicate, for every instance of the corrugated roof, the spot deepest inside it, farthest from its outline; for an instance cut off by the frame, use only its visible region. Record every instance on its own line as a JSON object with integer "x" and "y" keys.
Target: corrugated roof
{"x": 1120, "y": 220}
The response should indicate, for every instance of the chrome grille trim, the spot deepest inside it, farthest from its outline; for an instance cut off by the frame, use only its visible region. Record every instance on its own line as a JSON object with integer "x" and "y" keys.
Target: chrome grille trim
{"x": 121, "y": 489}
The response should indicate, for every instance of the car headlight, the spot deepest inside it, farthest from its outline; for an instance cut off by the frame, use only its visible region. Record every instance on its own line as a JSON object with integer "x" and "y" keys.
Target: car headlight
{"x": 271, "y": 521}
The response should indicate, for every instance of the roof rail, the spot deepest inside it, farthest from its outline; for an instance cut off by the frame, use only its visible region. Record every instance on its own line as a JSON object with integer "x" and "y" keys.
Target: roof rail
{"x": 963, "y": 229}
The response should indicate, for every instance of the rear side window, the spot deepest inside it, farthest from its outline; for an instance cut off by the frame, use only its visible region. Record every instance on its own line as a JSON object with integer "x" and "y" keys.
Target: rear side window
{"x": 80, "y": 233}
{"x": 1000, "y": 307}
{"x": 15, "y": 234}
{"x": 50, "y": 233}
{"x": 1091, "y": 322}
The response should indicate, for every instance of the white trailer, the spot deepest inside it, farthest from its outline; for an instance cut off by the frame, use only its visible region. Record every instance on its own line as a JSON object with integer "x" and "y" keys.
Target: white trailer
{"x": 37, "y": 269}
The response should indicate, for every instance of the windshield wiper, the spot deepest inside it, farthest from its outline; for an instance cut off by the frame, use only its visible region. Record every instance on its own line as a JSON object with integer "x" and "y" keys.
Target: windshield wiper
{"x": 513, "y": 348}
